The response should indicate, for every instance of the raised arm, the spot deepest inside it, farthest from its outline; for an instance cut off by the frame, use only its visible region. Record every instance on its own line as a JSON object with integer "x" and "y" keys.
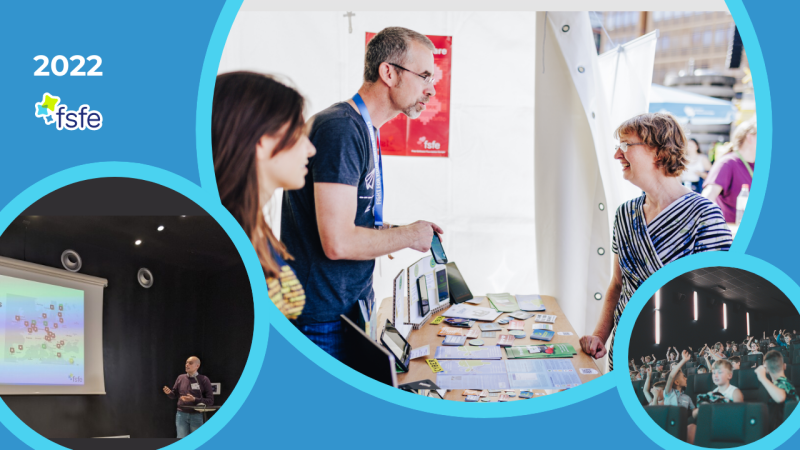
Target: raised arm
{"x": 777, "y": 394}
{"x": 646, "y": 387}
{"x": 684, "y": 357}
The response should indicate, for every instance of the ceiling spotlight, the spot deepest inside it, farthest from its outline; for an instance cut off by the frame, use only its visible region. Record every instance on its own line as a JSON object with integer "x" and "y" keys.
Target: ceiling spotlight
{"x": 183, "y": 216}
{"x": 161, "y": 228}
{"x": 138, "y": 242}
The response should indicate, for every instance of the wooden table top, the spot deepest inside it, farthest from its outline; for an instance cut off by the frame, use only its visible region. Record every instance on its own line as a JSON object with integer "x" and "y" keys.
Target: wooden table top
{"x": 427, "y": 335}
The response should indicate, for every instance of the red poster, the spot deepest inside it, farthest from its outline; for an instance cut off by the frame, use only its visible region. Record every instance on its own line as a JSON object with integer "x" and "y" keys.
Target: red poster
{"x": 429, "y": 134}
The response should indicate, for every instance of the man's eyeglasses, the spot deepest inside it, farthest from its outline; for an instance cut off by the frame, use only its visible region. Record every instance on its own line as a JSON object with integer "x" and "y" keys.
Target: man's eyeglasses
{"x": 624, "y": 146}
{"x": 428, "y": 79}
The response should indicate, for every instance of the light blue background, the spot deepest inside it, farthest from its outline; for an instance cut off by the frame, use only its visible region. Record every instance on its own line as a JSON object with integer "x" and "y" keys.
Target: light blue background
{"x": 159, "y": 64}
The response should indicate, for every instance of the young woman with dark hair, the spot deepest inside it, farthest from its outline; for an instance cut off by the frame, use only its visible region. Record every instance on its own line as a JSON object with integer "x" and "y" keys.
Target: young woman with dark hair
{"x": 259, "y": 142}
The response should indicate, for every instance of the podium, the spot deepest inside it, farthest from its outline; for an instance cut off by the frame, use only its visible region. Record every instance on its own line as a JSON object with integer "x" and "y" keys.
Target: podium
{"x": 203, "y": 409}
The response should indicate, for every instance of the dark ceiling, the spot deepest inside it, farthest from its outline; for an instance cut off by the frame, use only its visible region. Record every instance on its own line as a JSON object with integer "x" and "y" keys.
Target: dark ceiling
{"x": 113, "y": 213}
{"x": 740, "y": 287}
{"x": 190, "y": 242}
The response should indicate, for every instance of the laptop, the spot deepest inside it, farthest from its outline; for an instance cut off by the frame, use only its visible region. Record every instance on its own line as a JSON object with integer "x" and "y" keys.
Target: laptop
{"x": 366, "y": 356}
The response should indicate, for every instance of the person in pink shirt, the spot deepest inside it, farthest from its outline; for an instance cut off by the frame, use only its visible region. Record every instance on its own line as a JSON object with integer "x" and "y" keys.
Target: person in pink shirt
{"x": 730, "y": 172}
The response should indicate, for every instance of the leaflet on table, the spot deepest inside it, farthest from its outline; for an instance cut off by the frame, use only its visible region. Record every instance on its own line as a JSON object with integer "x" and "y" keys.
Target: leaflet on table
{"x": 503, "y": 302}
{"x": 542, "y": 335}
{"x": 527, "y": 374}
{"x": 542, "y": 326}
{"x": 559, "y": 351}
{"x": 472, "y": 312}
{"x": 471, "y": 333}
{"x": 495, "y": 375}
{"x": 425, "y": 350}
{"x": 546, "y": 318}
{"x": 470, "y": 352}
{"x": 530, "y": 302}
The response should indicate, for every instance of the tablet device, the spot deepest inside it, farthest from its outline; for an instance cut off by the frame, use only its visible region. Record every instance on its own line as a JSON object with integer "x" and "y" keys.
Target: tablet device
{"x": 457, "y": 287}
{"x": 397, "y": 345}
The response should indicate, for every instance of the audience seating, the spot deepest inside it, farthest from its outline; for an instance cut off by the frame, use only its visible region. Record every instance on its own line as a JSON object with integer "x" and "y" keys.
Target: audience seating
{"x": 637, "y": 387}
{"x": 724, "y": 425}
{"x": 752, "y": 389}
{"x": 749, "y": 360}
{"x": 788, "y": 407}
{"x": 673, "y": 419}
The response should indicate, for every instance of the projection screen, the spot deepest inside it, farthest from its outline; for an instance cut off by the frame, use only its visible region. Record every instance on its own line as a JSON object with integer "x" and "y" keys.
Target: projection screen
{"x": 51, "y": 331}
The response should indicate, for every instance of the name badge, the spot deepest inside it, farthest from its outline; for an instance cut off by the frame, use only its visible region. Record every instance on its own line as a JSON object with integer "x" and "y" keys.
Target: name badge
{"x": 196, "y": 386}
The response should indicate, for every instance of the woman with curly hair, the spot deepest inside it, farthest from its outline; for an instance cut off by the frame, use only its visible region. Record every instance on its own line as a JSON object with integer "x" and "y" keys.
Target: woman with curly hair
{"x": 669, "y": 221}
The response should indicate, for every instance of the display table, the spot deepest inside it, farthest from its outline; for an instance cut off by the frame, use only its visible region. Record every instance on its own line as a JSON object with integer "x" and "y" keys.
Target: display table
{"x": 427, "y": 335}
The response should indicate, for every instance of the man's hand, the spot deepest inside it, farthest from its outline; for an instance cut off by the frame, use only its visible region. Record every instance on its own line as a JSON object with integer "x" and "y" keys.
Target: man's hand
{"x": 423, "y": 235}
{"x": 593, "y": 346}
{"x": 187, "y": 398}
{"x": 685, "y": 355}
{"x": 167, "y": 390}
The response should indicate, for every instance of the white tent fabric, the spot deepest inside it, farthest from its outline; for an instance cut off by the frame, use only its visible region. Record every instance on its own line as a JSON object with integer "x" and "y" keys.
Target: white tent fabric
{"x": 483, "y": 194}
{"x": 575, "y": 170}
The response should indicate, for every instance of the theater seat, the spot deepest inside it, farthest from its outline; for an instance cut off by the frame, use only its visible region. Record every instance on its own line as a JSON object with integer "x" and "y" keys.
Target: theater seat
{"x": 749, "y": 360}
{"x": 752, "y": 389}
{"x": 702, "y": 384}
{"x": 689, "y": 364}
{"x": 690, "y": 388}
{"x": 637, "y": 387}
{"x": 795, "y": 376}
{"x": 724, "y": 425}
{"x": 788, "y": 407}
{"x": 671, "y": 418}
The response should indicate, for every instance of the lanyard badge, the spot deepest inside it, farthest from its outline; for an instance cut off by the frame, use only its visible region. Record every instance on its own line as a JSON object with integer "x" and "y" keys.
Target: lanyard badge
{"x": 377, "y": 210}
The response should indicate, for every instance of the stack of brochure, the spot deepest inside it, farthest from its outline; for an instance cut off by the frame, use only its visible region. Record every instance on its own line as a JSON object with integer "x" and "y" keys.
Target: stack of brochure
{"x": 540, "y": 351}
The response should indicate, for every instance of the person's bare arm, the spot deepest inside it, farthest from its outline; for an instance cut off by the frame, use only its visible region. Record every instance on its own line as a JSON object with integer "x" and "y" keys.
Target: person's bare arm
{"x": 594, "y": 345}
{"x": 674, "y": 371}
{"x": 336, "y": 207}
{"x": 712, "y": 191}
{"x": 777, "y": 394}
{"x": 646, "y": 388}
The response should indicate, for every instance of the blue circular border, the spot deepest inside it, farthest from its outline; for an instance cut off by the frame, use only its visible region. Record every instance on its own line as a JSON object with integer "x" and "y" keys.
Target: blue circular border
{"x": 461, "y": 409}
{"x": 212, "y": 205}
{"x": 639, "y": 301}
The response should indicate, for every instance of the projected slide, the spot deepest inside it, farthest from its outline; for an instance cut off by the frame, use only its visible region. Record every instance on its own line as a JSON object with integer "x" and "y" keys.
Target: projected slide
{"x": 41, "y": 333}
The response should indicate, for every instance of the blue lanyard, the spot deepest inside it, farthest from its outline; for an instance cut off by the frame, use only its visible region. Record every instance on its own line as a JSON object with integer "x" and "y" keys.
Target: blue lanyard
{"x": 377, "y": 210}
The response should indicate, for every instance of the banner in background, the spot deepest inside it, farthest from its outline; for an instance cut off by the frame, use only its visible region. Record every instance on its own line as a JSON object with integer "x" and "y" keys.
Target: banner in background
{"x": 429, "y": 134}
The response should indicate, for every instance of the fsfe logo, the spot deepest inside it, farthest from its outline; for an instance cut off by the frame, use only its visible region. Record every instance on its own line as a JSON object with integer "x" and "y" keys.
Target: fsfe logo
{"x": 53, "y": 111}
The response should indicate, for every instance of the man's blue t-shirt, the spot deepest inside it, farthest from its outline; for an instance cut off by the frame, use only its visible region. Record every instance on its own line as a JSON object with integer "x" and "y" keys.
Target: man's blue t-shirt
{"x": 344, "y": 156}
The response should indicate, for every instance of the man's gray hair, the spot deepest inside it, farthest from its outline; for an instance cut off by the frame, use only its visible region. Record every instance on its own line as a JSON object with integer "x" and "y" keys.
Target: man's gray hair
{"x": 390, "y": 45}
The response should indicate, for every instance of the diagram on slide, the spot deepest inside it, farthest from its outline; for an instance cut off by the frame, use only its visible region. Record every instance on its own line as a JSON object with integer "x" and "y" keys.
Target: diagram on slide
{"x": 41, "y": 333}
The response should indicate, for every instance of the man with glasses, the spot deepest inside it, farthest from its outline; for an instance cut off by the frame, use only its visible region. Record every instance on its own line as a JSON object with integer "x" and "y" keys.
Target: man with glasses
{"x": 334, "y": 226}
